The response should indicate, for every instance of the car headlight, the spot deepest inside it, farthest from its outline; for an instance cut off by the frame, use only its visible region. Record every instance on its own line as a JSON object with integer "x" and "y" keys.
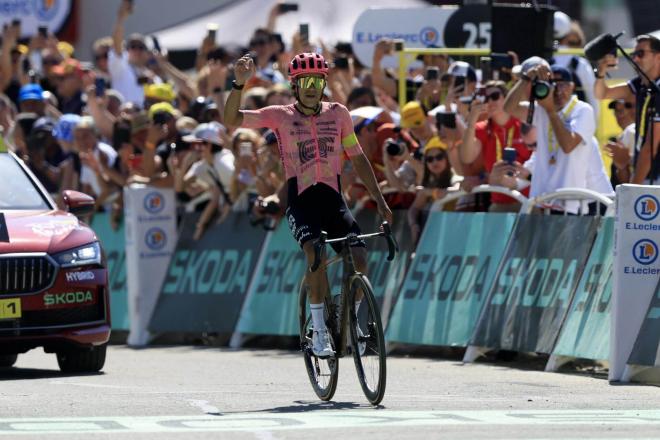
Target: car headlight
{"x": 81, "y": 256}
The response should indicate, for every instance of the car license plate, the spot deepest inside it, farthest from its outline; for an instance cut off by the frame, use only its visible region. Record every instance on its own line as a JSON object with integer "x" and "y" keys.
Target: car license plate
{"x": 10, "y": 308}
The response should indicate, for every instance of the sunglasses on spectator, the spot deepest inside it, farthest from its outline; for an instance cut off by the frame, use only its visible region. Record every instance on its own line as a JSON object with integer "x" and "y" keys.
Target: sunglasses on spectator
{"x": 494, "y": 96}
{"x": 101, "y": 56}
{"x": 438, "y": 157}
{"x": 641, "y": 53}
{"x": 311, "y": 82}
{"x": 627, "y": 105}
{"x": 137, "y": 47}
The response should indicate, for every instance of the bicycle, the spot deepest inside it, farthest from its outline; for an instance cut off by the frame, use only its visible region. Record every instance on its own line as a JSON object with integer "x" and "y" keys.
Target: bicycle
{"x": 366, "y": 329}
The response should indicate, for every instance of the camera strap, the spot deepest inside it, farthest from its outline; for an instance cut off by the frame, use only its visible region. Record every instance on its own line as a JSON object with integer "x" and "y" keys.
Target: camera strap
{"x": 220, "y": 186}
{"x": 498, "y": 144}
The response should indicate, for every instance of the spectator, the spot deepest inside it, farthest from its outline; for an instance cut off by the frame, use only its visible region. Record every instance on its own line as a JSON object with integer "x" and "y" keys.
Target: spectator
{"x": 361, "y": 97}
{"x": 565, "y": 128}
{"x": 647, "y": 56}
{"x": 485, "y": 141}
{"x": 69, "y": 75}
{"x": 155, "y": 93}
{"x": 128, "y": 67}
{"x": 44, "y": 156}
{"x": 436, "y": 178}
{"x": 414, "y": 118}
{"x": 31, "y": 99}
{"x": 622, "y": 148}
{"x": 93, "y": 155}
{"x": 580, "y": 68}
{"x": 101, "y": 51}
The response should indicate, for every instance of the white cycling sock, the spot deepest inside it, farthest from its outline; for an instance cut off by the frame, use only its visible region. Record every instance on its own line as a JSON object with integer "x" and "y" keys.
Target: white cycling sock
{"x": 318, "y": 320}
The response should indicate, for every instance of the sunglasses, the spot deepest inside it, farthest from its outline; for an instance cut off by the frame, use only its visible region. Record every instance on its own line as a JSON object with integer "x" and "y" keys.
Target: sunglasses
{"x": 311, "y": 82}
{"x": 640, "y": 53}
{"x": 496, "y": 95}
{"x": 136, "y": 47}
{"x": 438, "y": 157}
{"x": 627, "y": 105}
{"x": 101, "y": 56}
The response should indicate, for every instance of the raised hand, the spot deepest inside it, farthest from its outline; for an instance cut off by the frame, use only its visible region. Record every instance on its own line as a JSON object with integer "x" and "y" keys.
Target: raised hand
{"x": 244, "y": 69}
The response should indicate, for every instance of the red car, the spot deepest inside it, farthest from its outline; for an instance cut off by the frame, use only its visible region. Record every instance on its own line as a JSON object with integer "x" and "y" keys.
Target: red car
{"x": 53, "y": 277}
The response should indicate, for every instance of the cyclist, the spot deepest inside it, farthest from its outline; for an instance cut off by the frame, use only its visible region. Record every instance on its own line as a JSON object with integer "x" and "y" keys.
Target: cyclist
{"x": 312, "y": 137}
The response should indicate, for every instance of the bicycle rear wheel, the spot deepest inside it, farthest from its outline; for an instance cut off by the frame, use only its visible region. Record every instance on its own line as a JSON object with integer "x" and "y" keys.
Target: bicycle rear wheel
{"x": 322, "y": 373}
{"x": 367, "y": 341}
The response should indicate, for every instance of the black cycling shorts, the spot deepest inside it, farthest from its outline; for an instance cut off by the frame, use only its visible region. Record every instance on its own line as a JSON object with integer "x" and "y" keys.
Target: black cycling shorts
{"x": 321, "y": 208}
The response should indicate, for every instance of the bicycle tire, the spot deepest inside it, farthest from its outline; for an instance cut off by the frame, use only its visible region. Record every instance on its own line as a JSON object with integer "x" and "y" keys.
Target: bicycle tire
{"x": 372, "y": 353}
{"x": 322, "y": 373}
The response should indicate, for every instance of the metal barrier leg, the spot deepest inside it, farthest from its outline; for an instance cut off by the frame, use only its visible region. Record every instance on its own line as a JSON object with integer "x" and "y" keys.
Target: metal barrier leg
{"x": 473, "y": 352}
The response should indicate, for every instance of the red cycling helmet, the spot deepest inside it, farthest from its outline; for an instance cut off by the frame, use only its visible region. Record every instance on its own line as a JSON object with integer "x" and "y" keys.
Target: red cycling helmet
{"x": 308, "y": 63}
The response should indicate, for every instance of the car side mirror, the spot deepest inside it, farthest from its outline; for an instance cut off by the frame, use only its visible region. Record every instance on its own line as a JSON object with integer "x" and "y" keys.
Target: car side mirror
{"x": 77, "y": 203}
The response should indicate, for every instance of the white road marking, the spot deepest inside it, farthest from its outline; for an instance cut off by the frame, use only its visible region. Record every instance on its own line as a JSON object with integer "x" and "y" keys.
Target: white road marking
{"x": 263, "y": 422}
{"x": 87, "y": 384}
{"x": 205, "y": 406}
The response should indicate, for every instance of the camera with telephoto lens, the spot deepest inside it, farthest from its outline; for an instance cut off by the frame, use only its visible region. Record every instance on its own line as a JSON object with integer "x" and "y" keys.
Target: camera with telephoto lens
{"x": 394, "y": 147}
{"x": 540, "y": 89}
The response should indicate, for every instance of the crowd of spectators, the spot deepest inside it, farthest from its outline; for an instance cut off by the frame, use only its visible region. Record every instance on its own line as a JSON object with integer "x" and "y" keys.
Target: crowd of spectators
{"x": 132, "y": 116}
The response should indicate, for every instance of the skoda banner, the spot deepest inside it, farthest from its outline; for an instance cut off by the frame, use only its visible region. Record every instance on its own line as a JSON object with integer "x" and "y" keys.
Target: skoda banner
{"x": 150, "y": 241}
{"x": 272, "y": 304}
{"x": 112, "y": 239}
{"x": 535, "y": 284}
{"x": 207, "y": 280}
{"x": 35, "y": 13}
{"x": 586, "y": 332}
{"x": 448, "y": 26}
{"x": 449, "y": 278}
{"x": 636, "y": 269}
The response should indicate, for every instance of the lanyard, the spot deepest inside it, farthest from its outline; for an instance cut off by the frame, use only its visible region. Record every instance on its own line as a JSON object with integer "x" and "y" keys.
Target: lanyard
{"x": 498, "y": 144}
{"x": 642, "y": 122}
{"x": 551, "y": 145}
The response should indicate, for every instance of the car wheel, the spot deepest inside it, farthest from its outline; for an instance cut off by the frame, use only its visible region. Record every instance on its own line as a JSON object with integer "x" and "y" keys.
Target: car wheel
{"x": 82, "y": 360}
{"x": 7, "y": 360}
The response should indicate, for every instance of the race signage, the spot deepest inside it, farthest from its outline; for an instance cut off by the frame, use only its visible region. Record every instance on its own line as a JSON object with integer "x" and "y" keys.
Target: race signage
{"x": 449, "y": 278}
{"x": 150, "y": 240}
{"x": 34, "y": 13}
{"x": 636, "y": 269}
{"x": 535, "y": 284}
{"x": 586, "y": 332}
{"x": 446, "y": 26}
{"x": 207, "y": 279}
{"x": 113, "y": 242}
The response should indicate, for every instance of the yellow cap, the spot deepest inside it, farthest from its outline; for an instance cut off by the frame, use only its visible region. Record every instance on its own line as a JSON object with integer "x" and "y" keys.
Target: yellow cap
{"x": 159, "y": 92}
{"x": 161, "y": 107}
{"x": 434, "y": 142}
{"x": 23, "y": 49}
{"x": 66, "y": 49}
{"x": 412, "y": 115}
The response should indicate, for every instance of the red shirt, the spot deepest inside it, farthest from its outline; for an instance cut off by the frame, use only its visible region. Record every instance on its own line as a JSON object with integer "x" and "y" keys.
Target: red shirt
{"x": 489, "y": 133}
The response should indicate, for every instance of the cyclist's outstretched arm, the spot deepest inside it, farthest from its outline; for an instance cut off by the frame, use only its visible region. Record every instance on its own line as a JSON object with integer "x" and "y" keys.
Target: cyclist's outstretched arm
{"x": 243, "y": 70}
{"x": 366, "y": 173}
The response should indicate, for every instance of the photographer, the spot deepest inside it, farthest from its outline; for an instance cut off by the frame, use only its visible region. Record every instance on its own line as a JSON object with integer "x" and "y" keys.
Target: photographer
{"x": 486, "y": 140}
{"x": 622, "y": 148}
{"x": 647, "y": 57}
{"x": 565, "y": 128}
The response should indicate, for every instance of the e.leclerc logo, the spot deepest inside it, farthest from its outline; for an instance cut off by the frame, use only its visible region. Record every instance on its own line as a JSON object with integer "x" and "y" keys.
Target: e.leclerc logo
{"x": 429, "y": 36}
{"x": 154, "y": 203}
{"x": 645, "y": 252}
{"x": 155, "y": 239}
{"x": 647, "y": 207}
{"x": 45, "y": 10}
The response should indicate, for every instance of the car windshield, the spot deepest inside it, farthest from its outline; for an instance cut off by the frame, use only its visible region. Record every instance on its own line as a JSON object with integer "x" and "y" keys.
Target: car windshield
{"x": 17, "y": 191}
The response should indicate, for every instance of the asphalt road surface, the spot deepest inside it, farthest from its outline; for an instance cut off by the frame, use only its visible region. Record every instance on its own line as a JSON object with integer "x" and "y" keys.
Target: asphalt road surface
{"x": 210, "y": 393}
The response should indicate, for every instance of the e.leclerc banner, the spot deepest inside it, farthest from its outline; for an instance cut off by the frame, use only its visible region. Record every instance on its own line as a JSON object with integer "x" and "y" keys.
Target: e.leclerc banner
{"x": 272, "y": 305}
{"x": 586, "y": 332}
{"x": 113, "y": 242}
{"x": 207, "y": 279}
{"x": 449, "y": 277}
{"x": 636, "y": 269}
{"x": 534, "y": 286}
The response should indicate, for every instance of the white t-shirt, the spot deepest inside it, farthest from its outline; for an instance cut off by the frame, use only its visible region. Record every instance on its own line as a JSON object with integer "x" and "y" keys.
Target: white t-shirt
{"x": 88, "y": 176}
{"x": 597, "y": 179}
{"x": 568, "y": 170}
{"x": 124, "y": 78}
{"x": 222, "y": 169}
{"x": 585, "y": 73}
{"x": 627, "y": 138}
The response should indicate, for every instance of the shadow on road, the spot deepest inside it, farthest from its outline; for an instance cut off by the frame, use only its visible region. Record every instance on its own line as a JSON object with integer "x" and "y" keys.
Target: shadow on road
{"x": 14, "y": 373}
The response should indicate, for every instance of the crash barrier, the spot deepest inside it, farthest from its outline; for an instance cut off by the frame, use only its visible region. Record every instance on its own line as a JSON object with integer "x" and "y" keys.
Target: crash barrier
{"x": 493, "y": 281}
{"x": 635, "y": 311}
{"x": 113, "y": 242}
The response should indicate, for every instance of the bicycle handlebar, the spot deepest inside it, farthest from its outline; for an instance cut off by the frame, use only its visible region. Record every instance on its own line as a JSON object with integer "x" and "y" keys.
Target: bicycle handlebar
{"x": 386, "y": 232}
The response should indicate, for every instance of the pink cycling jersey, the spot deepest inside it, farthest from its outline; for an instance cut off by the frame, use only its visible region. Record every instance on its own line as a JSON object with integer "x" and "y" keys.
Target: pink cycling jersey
{"x": 311, "y": 147}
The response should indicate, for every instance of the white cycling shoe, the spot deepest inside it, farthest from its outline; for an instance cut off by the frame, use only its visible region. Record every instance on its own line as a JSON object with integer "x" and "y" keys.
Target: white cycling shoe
{"x": 321, "y": 346}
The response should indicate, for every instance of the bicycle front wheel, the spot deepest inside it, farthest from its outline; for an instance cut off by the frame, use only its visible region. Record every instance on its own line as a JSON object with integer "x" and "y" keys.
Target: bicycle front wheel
{"x": 322, "y": 373}
{"x": 367, "y": 340}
